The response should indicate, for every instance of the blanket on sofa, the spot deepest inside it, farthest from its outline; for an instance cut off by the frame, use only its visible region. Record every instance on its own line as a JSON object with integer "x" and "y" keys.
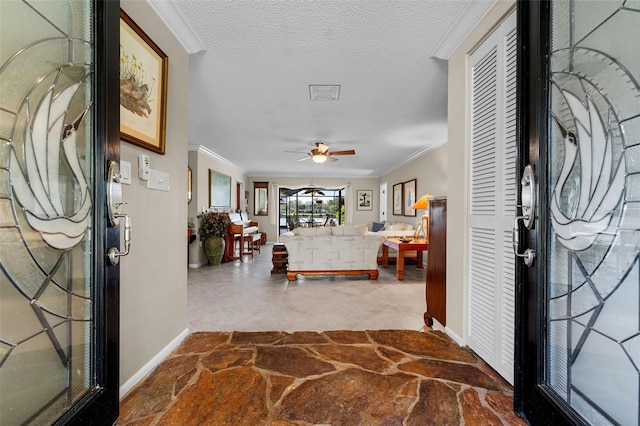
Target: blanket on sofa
{"x": 336, "y": 250}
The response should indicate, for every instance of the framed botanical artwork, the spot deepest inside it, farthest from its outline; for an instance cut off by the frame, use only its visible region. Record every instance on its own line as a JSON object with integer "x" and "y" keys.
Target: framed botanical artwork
{"x": 219, "y": 190}
{"x": 397, "y": 199}
{"x": 409, "y": 194}
{"x": 143, "y": 88}
{"x": 365, "y": 199}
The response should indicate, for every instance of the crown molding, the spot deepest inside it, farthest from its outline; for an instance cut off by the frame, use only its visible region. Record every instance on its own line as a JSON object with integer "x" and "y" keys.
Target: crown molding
{"x": 175, "y": 21}
{"x": 200, "y": 149}
{"x": 415, "y": 156}
{"x": 472, "y": 15}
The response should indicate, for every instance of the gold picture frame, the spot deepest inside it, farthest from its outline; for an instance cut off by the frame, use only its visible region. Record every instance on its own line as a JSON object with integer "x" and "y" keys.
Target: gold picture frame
{"x": 409, "y": 195}
{"x": 219, "y": 190}
{"x": 143, "y": 88}
{"x": 398, "y": 201}
{"x": 189, "y": 185}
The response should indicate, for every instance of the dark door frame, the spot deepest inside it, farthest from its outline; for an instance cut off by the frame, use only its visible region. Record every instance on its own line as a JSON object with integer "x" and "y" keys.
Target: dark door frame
{"x": 533, "y": 399}
{"x": 100, "y": 406}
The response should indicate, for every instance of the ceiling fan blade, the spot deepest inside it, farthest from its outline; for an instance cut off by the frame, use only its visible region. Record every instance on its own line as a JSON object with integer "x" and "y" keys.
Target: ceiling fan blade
{"x": 330, "y": 158}
{"x": 305, "y": 158}
{"x": 298, "y": 152}
{"x": 345, "y": 152}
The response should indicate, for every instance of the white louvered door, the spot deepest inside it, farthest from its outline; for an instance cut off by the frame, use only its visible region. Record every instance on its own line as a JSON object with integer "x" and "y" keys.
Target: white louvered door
{"x": 493, "y": 199}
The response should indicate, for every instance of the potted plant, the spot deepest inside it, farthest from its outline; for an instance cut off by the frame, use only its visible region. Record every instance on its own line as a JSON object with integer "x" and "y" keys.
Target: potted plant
{"x": 213, "y": 228}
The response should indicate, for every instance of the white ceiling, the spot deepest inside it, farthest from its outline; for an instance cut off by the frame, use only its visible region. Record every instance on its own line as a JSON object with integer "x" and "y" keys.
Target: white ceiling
{"x": 249, "y": 89}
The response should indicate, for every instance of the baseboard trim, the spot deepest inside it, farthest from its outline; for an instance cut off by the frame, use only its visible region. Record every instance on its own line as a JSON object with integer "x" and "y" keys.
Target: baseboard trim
{"x": 153, "y": 363}
{"x": 198, "y": 265}
{"x": 454, "y": 336}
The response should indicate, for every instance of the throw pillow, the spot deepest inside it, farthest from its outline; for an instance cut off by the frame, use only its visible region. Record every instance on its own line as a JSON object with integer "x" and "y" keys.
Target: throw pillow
{"x": 377, "y": 226}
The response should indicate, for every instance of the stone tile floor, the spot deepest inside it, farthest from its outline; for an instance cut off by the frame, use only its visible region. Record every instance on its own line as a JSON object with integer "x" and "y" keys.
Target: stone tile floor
{"x": 384, "y": 377}
{"x": 246, "y": 296}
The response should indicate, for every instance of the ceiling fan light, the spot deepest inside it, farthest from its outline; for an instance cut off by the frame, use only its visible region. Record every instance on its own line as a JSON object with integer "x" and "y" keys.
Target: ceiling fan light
{"x": 319, "y": 158}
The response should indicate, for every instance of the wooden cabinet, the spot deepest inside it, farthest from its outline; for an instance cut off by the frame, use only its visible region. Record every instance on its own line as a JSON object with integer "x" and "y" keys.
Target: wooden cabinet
{"x": 436, "y": 288}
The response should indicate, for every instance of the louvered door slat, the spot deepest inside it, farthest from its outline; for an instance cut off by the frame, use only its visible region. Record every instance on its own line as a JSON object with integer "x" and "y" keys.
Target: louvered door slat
{"x": 493, "y": 196}
{"x": 510, "y": 151}
{"x": 482, "y": 292}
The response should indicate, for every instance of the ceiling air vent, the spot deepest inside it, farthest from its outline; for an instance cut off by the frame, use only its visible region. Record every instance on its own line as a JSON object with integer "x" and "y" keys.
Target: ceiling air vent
{"x": 324, "y": 92}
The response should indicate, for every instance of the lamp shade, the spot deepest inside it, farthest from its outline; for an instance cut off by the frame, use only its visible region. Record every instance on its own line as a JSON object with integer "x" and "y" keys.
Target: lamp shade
{"x": 423, "y": 202}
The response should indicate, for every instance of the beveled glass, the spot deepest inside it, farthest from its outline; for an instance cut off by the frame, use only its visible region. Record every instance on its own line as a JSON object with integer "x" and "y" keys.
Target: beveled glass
{"x": 593, "y": 299}
{"x": 46, "y": 167}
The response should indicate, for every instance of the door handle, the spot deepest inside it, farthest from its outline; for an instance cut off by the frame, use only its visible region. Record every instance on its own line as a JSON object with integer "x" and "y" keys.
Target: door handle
{"x": 528, "y": 207}
{"x": 113, "y": 253}
{"x": 528, "y": 254}
{"x": 114, "y": 201}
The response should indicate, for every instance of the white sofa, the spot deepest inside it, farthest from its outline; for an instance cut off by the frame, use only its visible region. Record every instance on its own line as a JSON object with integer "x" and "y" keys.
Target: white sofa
{"x": 396, "y": 229}
{"x": 333, "y": 250}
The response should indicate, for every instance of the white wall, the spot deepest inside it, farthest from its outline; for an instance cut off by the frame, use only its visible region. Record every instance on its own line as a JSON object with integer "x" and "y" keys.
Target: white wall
{"x": 201, "y": 161}
{"x": 458, "y": 166}
{"x": 430, "y": 172}
{"x": 153, "y": 278}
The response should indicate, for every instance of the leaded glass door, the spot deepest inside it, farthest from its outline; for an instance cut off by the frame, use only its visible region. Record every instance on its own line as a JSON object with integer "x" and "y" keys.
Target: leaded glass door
{"x": 579, "y": 346}
{"x": 58, "y": 300}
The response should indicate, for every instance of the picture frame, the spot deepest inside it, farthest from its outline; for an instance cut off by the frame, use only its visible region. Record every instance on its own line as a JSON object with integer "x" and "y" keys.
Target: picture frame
{"x": 143, "y": 88}
{"x": 409, "y": 195}
{"x": 189, "y": 185}
{"x": 365, "y": 199}
{"x": 398, "y": 200}
{"x": 219, "y": 190}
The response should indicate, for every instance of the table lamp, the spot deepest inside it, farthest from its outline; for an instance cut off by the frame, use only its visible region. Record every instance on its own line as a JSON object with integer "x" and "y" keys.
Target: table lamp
{"x": 423, "y": 228}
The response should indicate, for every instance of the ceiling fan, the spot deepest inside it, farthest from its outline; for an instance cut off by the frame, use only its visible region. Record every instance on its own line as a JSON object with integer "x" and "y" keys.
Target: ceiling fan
{"x": 321, "y": 153}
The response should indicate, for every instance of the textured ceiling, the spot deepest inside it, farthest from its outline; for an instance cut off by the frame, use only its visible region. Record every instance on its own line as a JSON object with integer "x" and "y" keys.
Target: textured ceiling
{"x": 249, "y": 90}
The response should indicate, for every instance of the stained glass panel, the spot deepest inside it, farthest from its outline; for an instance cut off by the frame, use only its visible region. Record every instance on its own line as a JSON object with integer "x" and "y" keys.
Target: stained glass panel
{"x": 593, "y": 296}
{"x": 46, "y": 157}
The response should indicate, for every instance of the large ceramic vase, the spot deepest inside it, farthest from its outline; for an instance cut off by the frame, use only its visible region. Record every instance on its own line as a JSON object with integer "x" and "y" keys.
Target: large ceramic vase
{"x": 214, "y": 249}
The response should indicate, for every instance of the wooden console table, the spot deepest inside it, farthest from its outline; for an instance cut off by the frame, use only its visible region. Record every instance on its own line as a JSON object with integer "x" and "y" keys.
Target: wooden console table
{"x": 417, "y": 244}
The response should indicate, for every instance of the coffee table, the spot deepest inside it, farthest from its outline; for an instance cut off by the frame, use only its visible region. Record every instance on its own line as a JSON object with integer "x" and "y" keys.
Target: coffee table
{"x": 417, "y": 244}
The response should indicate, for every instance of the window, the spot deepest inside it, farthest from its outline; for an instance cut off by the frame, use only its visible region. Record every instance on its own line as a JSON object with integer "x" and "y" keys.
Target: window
{"x": 310, "y": 207}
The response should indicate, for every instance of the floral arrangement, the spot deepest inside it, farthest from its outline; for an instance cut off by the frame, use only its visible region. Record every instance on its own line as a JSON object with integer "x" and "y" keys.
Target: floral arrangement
{"x": 213, "y": 224}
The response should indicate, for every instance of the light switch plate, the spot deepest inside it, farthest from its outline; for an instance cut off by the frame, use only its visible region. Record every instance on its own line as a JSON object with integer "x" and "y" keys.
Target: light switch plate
{"x": 158, "y": 180}
{"x": 125, "y": 172}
